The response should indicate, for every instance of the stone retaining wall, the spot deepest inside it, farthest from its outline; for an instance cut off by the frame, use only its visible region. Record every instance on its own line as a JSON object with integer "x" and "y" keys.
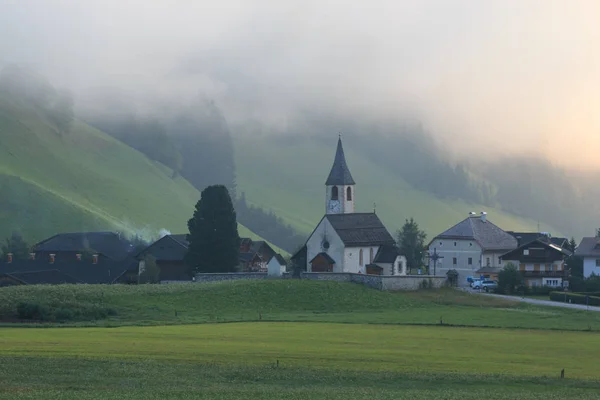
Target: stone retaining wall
{"x": 379, "y": 282}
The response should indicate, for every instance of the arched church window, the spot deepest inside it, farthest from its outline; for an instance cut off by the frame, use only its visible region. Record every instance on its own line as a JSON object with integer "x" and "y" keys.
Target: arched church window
{"x": 349, "y": 194}
{"x": 334, "y": 193}
{"x": 371, "y": 255}
{"x": 360, "y": 257}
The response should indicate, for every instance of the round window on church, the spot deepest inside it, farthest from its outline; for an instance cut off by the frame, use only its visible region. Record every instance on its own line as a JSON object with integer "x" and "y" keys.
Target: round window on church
{"x": 325, "y": 244}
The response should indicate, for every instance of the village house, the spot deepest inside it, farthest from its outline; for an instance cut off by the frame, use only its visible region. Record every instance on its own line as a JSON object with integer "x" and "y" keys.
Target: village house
{"x": 589, "y": 251}
{"x": 347, "y": 241}
{"x": 541, "y": 263}
{"x": 472, "y": 247}
{"x": 169, "y": 253}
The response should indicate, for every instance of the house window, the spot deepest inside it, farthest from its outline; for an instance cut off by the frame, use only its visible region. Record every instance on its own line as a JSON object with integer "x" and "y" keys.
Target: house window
{"x": 454, "y": 244}
{"x": 440, "y": 243}
{"x": 598, "y": 262}
{"x": 487, "y": 262}
{"x": 470, "y": 261}
{"x": 349, "y": 194}
{"x": 334, "y": 193}
{"x": 470, "y": 244}
{"x": 453, "y": 260}
{"x": 371, "y": 255}
{"x": 360, "y": 257}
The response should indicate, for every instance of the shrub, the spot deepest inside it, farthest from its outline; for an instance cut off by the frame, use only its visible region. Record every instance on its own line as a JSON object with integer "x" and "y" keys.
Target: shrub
{"x": 32, "y": 311}
{"x": 575, "y": 298}
{"x": 509, "y": 279}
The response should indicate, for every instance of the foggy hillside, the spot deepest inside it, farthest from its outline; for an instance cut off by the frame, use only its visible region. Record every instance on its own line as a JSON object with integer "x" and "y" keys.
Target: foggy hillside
{"x": 483, "y": 103}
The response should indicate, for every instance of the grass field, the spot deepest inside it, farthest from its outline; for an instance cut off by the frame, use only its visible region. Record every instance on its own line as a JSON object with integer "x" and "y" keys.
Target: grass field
{"x": 291, "y": 300}
{"x": 295, "y": 339}
{"x": 82, "y": 180}
{"x": 295, "y": 188}
{"x": 239, "y": 360}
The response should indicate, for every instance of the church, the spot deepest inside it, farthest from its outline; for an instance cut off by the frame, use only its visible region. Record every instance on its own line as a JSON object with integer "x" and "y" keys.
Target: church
{"x": 345, "y": 240}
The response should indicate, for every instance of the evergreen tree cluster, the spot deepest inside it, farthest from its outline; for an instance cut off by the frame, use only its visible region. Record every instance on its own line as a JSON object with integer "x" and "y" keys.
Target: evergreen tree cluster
{"x": 15, "y": 245}
{"x": 268, "y": 226}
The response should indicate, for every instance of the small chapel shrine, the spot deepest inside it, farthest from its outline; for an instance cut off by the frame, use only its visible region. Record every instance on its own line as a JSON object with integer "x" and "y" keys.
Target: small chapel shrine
{"x": 349, "y": 241}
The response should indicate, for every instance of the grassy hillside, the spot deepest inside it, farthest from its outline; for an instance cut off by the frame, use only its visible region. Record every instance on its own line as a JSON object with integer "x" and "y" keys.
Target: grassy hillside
{"x": 82, "y": 180}
{"x": 283, "y": 300}
{"x": 288, "y": 176}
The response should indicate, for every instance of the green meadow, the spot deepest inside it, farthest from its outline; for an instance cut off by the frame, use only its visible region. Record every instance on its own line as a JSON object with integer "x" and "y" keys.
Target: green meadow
{"x": 279, "y": 339}
{"x": 268, "y": 360}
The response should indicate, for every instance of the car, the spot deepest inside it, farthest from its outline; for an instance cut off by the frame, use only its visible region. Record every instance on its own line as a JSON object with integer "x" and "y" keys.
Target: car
{"x": 487, "y": 285}
{"x": 475, "y": 283}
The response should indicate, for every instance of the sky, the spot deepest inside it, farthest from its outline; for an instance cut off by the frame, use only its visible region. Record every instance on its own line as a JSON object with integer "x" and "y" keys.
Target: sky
{"x": 487, "y": 78}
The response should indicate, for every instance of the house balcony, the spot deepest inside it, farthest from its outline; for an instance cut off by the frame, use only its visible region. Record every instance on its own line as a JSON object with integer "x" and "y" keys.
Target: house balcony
{"x": 545, "y": 274}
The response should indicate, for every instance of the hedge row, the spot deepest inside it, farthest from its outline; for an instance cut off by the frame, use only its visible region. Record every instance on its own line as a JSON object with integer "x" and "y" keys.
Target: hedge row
{"x": 575, "y": 298}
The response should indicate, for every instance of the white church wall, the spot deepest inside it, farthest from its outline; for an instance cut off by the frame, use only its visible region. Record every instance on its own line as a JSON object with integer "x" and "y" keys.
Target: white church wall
{"x": 336, "y": 246}
{"x": 352, "y": 259}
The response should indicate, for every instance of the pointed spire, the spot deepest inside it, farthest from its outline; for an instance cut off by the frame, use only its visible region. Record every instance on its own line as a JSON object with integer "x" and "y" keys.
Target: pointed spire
{"x": 340, "y": 174}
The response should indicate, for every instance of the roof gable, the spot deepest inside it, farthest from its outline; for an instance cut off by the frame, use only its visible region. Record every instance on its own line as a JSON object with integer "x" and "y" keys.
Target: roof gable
{"x": 517, "y": 253}
{"x": 488, "y": 235}
{"x": 339, "y": 174}
{"x": 386, "y": 254}
{"x": 360, "y": 229}
{"x": 324, "y": 255}
{"x": 168, "y": 247}
{"x": 589, "y": 247}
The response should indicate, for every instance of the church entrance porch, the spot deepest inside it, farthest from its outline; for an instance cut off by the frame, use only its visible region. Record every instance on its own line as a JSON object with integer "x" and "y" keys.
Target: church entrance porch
{"x": 322, "y": 263}
{"x": 374, "y": 269}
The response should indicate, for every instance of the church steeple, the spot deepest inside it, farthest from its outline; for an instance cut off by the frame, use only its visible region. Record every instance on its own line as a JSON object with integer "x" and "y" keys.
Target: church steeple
{"x": 339, "y": 174}
{"x": 339, "y": 197}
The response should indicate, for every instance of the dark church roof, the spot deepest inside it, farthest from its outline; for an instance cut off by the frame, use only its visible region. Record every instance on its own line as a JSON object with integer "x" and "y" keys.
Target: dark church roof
{"x": 360, "y": 229}
{"x": 110, "y": 244}
{"x": 340, "y": 174}
{"x": 386, "y": 254}
{"x": 485, "y": 233}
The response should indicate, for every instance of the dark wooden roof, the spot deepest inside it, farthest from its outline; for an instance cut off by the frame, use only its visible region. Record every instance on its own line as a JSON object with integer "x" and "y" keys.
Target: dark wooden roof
{"x": 550, "y": 253}
{"x": 167, "y": 248}
{"x": 528, "y": 237}
{"x": 339, "y": 174}
{"x": 110, "y": 244}
{"x": 360, "y": 229}
{"x": 325, "y": 256}
{"x": 485, "y": 233}
{"x": 105, "y": 271}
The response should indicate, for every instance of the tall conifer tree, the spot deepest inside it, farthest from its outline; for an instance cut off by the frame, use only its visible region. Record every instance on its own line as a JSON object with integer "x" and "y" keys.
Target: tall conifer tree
{"x": 214, "y": 242}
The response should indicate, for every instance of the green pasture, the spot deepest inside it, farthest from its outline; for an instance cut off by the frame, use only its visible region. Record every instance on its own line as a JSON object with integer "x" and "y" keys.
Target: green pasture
{"x": 316, "y": 360}
{"x": 285, "y": 300}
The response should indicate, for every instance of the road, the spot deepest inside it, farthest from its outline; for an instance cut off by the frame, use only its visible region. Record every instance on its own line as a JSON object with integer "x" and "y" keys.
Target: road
{"x": 540, "y": 302}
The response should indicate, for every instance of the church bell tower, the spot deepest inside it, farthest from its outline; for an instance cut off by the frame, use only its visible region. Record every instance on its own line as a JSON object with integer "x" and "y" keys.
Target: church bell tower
{"x": 339, "y": 185}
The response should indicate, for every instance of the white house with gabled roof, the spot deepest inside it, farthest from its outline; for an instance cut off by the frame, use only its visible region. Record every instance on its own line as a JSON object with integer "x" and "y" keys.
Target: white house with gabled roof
{"x": 473, "y": 244}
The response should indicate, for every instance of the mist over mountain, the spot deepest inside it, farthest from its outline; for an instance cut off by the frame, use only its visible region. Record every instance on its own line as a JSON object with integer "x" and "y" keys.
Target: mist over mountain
{"x": 489, "y": 103}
